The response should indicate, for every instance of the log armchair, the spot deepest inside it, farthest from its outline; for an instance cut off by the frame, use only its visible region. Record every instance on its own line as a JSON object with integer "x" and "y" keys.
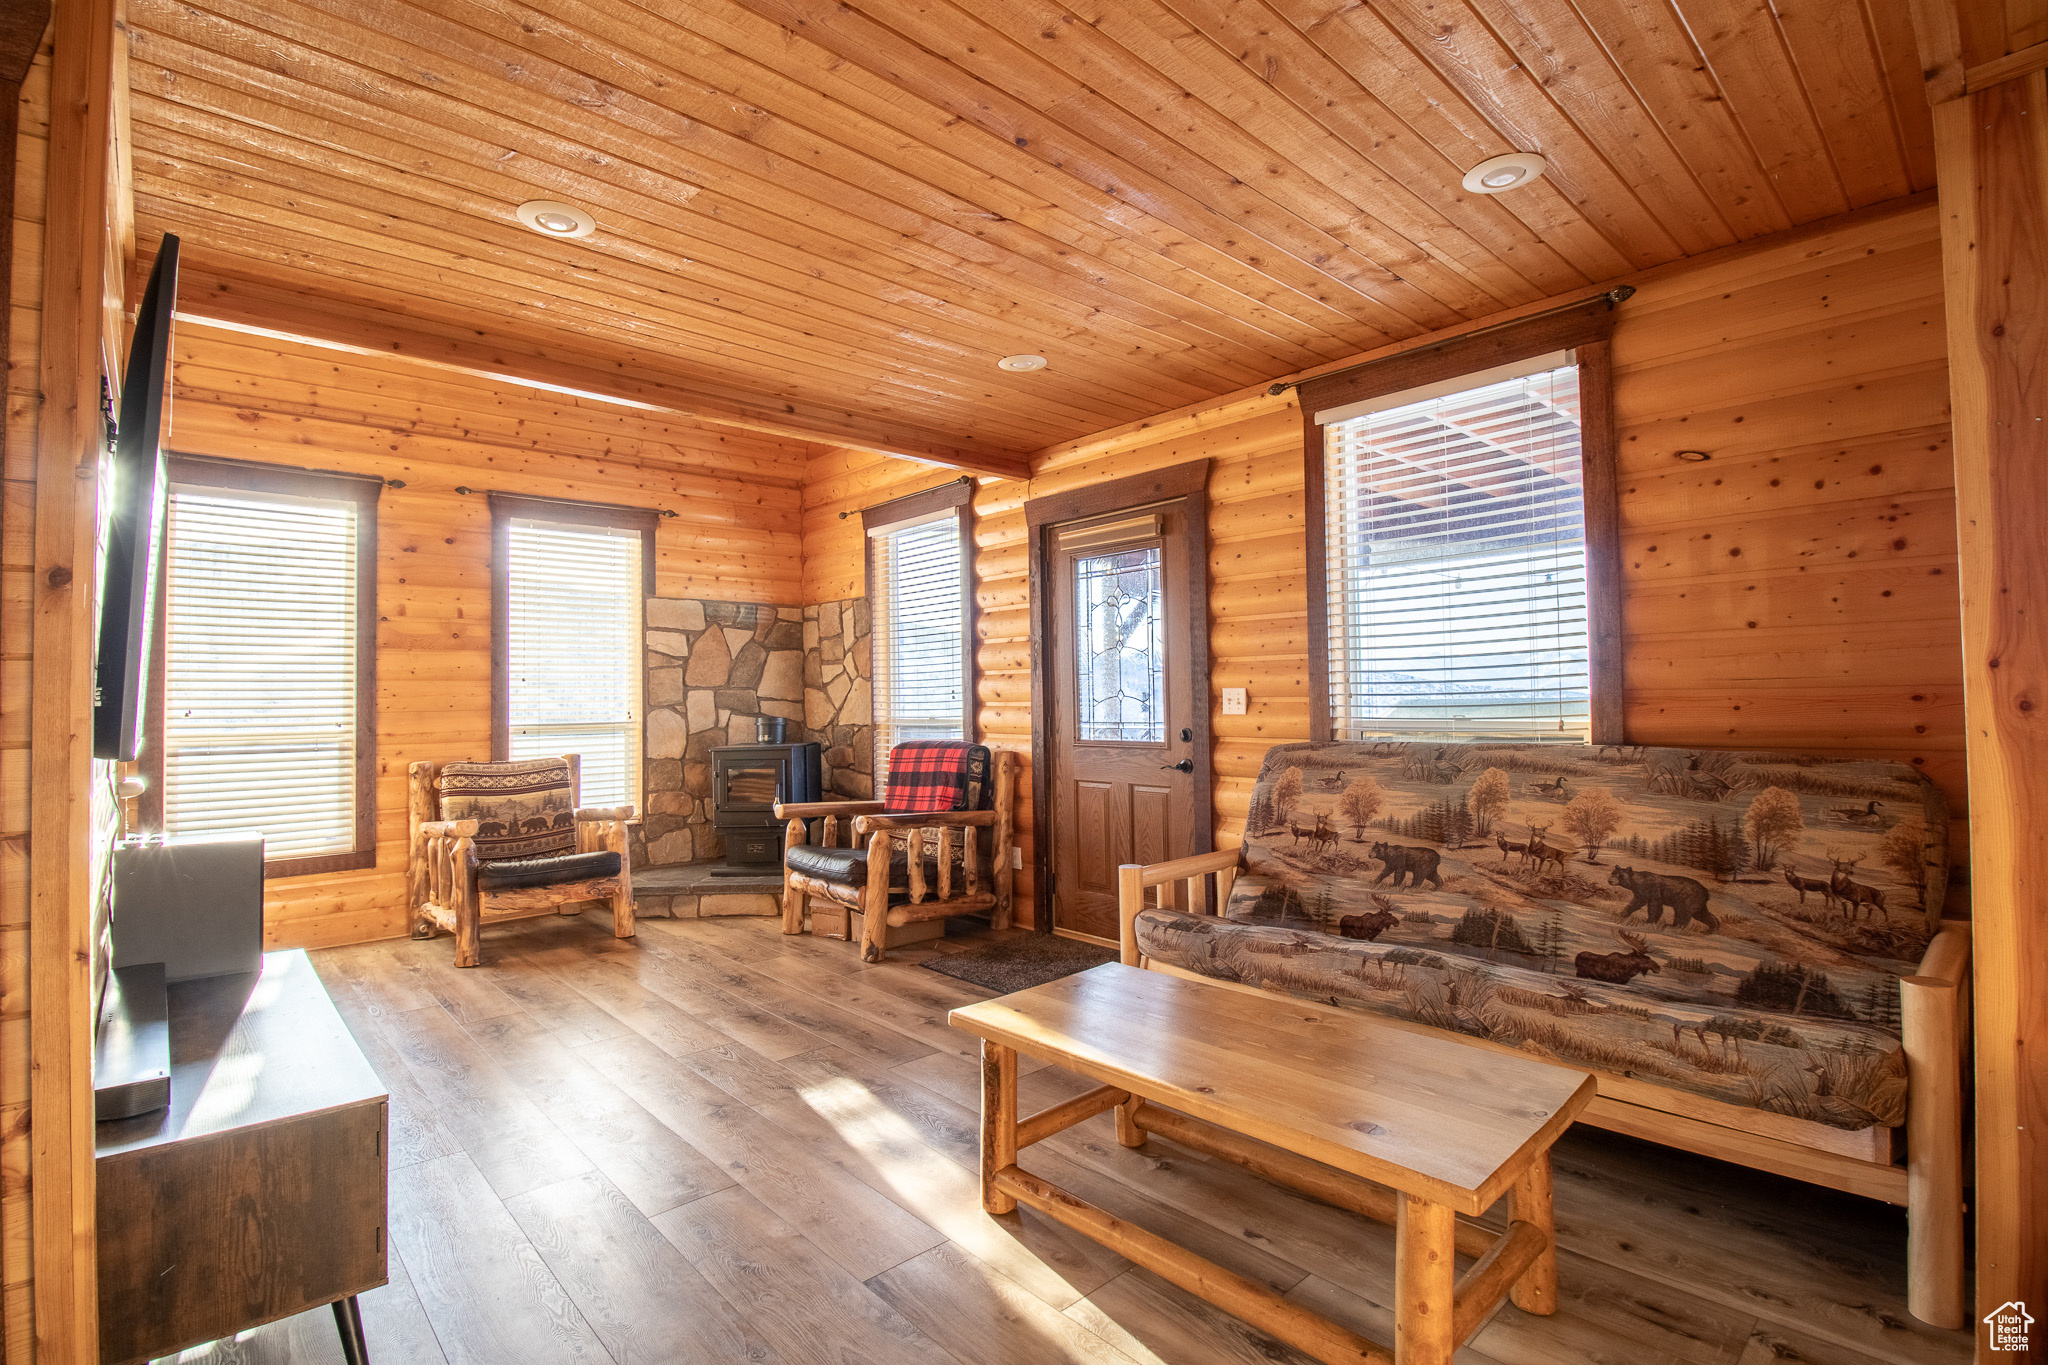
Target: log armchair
{"x": 955, "y": 870}
{"x": 499, "y": 841}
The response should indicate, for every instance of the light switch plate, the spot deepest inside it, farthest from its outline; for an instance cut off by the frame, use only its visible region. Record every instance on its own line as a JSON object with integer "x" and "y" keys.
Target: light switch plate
{"x": 1016, "y": 856}
{"x": 1233, "y": 701}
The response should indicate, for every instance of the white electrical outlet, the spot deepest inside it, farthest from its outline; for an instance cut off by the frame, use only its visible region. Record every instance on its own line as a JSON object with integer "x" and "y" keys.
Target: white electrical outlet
{"x": 1016, "y": 856}
{"x": 1233, "y": 701}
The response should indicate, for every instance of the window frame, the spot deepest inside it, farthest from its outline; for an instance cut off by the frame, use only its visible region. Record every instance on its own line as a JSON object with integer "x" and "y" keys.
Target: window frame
{"x": 958, "y": 495}
{"x": 364, "y": 490}
{"x": 509, "y": 507}
{"x": 1587, "y": 330}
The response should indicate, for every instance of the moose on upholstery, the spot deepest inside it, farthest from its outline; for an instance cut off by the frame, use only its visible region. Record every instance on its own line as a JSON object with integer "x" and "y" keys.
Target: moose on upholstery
{"x": 499, "y": 841}
{"x": 1745, "y": 947}
{"x": 915, "y": 856}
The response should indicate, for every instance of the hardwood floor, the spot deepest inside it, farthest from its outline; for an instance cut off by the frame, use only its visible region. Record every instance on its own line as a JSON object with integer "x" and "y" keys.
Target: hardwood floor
{"x": 713, "y": 1144}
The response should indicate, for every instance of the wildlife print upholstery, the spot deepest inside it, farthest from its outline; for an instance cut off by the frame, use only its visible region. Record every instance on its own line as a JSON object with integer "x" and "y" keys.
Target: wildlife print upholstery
{"x": 523, "y": 809}
{"x": 1731, "y": 923}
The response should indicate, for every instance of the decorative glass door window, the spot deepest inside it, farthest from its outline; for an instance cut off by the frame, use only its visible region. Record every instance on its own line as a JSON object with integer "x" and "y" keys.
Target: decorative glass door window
{"x": 1121, "y": 659}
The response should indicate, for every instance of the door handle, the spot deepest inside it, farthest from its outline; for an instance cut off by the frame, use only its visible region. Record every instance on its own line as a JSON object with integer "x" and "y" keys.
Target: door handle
{"x": 1186, "y": 765}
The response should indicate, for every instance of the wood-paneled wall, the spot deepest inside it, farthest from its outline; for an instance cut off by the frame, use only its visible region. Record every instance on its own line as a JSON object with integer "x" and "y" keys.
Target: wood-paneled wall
{"x": 735, "y": 537}
{"x": 1795, "y": 590}
{"x": 17, "y": 598}
{"x": 70, "y": 242}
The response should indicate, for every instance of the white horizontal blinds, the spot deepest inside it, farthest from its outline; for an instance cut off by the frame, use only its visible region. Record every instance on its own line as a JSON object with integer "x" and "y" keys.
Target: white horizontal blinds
{"x": 919, "y": 614}
{"x": 573, "y": 644}
{"x": 1457, "y": 564}
{"x": 260, "y": 670}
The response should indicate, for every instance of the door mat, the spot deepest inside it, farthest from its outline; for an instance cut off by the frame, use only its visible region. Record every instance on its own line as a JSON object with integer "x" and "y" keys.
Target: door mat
{"x": 1019, "y": 963}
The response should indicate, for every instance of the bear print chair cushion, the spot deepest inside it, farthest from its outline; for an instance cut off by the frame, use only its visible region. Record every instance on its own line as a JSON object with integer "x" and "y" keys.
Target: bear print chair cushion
{"x": 523, "y": 809}
{"x": 1733, "y": 923}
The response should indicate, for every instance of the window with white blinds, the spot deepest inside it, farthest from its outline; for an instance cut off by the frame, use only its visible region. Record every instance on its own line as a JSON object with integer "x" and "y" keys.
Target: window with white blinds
{"x": 918, "y": 598}
{"x": 262, "y": 669}
{"x": 1457, "y": 560}
{"x": 573, "y": 598}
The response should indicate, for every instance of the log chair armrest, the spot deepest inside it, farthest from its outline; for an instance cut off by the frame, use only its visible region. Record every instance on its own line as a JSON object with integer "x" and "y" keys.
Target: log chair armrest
{"x": 453, "y": 829}
{"x": 1133, "y": 878}
{"x": 1947, "y": 959}
{"x": 938, "y": 819}
{"x": 807, "y": 810}
{"x": 1934, "y": 1009}
{"x": 591, "y": 814}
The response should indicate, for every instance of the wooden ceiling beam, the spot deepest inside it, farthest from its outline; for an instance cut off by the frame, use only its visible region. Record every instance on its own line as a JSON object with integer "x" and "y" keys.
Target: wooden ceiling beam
{"x": 2025, "y": 61}
{"x": 1967, "y": 46}
{"x": 207, "y": 297}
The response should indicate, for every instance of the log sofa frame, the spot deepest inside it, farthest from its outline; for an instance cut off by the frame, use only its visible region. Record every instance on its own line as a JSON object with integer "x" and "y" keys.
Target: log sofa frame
{"x": 929, "y": 831}
{"x": 441, "y": 868}
{"x": 1935, "y": 1013}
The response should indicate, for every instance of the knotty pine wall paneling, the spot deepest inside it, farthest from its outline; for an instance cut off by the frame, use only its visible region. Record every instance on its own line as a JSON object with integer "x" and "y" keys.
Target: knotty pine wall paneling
{"x": 735, "y": 538}
{"x": 17, "y": 610}
{"x": 1797, "y": 589}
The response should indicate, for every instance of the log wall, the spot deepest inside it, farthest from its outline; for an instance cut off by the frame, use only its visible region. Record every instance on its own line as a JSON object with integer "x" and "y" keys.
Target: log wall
{"x": 734, "y": 538}
{"x": 1795, "y": 590}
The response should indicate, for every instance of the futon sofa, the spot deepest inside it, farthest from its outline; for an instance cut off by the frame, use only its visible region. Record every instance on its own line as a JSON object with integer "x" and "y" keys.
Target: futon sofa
{"x": 1720, "y": 937}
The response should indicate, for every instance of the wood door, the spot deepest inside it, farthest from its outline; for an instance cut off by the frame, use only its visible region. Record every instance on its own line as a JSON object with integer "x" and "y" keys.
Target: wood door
{"x": 1123, "y": 727}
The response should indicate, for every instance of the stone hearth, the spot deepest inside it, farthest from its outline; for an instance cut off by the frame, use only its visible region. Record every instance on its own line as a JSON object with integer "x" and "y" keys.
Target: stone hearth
{"x": 693, "y": 891}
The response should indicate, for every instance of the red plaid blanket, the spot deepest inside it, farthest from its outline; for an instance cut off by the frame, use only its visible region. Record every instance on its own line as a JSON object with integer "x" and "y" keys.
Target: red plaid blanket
{"x": 937, "y": 774}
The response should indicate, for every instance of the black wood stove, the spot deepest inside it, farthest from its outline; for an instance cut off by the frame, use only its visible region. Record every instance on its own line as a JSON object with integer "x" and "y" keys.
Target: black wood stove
{"x": 746, "y": 782}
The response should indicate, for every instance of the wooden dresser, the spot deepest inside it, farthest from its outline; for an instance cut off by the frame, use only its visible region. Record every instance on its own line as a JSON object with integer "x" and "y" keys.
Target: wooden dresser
{"x": 260, "y": 1192}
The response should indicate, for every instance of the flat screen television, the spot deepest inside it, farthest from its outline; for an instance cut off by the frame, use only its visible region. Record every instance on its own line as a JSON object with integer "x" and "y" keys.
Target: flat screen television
{"x": 135, "y": 522}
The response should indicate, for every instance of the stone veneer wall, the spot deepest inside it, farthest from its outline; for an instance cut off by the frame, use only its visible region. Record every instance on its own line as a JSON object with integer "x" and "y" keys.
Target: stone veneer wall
{"x": 839, "y": 701}
{"x": 712, "y": 668}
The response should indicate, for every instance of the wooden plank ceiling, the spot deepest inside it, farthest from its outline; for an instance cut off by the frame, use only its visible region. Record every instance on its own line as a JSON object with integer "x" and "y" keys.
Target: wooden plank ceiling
{"x": 837, "y": 216}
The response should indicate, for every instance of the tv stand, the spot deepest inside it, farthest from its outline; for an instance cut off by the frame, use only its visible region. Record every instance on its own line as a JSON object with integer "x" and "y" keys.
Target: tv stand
{"x": 259, "y": 1192}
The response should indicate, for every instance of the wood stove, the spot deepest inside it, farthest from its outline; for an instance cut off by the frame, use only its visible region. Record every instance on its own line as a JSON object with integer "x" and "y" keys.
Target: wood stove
{"x": 746, "y": 782}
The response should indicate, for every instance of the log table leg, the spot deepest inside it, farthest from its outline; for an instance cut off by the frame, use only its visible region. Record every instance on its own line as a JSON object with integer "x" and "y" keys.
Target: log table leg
{"x": 1529, "y": 1202}
{"x": 998, "y": 1122}
{"x": 1127, "y": 1130}
{"x": 1425, "y": 1276}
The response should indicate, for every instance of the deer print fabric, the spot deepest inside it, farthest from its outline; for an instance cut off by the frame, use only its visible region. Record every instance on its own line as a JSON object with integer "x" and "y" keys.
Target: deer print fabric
{"x": 1731, "y": 923}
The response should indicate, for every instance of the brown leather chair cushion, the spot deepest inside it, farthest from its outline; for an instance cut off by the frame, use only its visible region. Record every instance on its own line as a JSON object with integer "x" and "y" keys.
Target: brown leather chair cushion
{"x": 840, "y": 866}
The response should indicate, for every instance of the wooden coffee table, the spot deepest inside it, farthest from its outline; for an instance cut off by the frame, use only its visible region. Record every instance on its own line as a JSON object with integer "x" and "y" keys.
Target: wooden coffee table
{"x": 1385, "y": 1121}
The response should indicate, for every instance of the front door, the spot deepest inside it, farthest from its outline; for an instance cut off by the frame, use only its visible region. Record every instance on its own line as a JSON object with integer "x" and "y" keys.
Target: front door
{"x": 1123, "y": 706}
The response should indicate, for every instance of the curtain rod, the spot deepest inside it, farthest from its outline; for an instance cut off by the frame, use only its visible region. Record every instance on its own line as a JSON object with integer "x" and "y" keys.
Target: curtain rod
{"x": 570, "y": 502}
{"x": 231, "y": 461}
{"x": 1613, "y": 296}
{"x": 964, "y": 478}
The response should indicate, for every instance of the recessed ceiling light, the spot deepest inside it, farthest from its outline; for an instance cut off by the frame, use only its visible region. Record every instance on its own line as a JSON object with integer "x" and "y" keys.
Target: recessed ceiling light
{"x": 551, "y": 219}
{"x": 1501, "y": 173}
{"x": 1021, "y": 362}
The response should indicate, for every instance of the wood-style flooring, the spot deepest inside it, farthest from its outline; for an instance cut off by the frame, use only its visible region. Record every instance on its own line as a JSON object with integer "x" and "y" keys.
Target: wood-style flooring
{"x": 716, "y": 1145}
